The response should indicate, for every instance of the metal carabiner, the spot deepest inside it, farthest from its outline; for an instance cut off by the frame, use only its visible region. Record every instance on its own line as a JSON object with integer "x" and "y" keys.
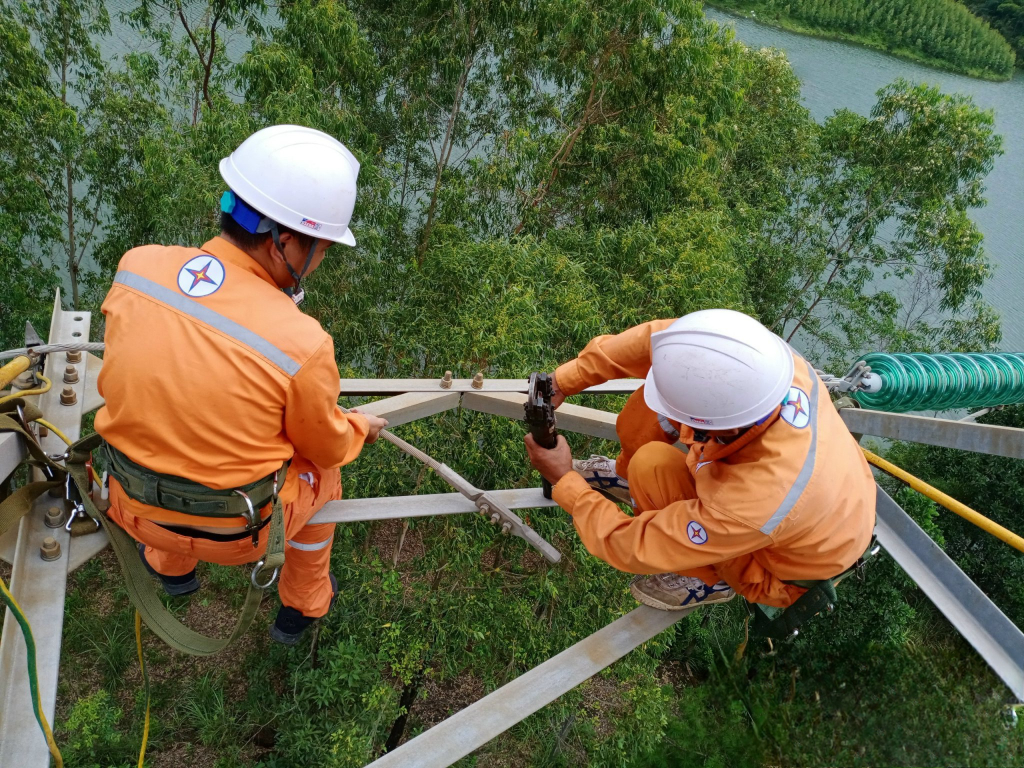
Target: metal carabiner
{"x": 255, "y": 572}
{"x": 250, "y": 516}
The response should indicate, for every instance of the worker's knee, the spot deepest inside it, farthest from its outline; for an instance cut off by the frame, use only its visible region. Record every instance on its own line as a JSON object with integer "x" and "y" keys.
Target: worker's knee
{"x": 654, "y": 459}
{"x": 658, "y": 476}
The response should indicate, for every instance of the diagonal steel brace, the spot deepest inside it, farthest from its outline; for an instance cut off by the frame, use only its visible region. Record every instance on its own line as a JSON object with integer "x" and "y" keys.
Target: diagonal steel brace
{"x": 497, "y": 512}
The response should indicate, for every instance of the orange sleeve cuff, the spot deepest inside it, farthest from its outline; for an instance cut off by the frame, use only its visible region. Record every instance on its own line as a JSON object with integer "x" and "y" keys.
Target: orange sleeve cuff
{"x": 360, "y": 422}
{"x": 568, "y": 378}
{"x": 568, "y": 490}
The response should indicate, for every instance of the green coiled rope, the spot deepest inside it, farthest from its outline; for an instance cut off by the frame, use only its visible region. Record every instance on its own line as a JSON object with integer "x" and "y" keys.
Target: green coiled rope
{"x": 920, "y": 382}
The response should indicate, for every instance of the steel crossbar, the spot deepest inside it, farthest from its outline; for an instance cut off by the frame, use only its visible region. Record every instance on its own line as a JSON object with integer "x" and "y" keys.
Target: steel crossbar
{"x": 354, "y": 387}
{"x": 963, "y": 435}
{"x": 996, "y": 639}
{"x": 471, "y": 728}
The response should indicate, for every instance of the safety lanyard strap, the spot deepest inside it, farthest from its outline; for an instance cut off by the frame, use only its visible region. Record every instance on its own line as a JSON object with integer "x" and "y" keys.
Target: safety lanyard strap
{"x": 139, "y": 584}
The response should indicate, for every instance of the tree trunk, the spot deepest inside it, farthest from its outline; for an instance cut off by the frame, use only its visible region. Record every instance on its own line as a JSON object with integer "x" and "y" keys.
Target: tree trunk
{"x": 446, "y": 146}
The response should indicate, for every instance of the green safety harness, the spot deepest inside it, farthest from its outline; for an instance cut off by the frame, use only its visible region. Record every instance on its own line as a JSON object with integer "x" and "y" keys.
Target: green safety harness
{"x": 166, "y": 491}
{"x": 782, "y": 623}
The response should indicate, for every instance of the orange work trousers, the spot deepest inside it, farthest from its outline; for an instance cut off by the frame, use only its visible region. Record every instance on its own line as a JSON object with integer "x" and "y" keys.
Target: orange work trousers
{"x": 659, "y": 475}
{"x": 637, "y": 425}
{"x": 304, "y": 582}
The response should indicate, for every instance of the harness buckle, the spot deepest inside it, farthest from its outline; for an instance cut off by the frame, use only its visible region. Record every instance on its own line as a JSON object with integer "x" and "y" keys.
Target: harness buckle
{"x": 252, "y": 524}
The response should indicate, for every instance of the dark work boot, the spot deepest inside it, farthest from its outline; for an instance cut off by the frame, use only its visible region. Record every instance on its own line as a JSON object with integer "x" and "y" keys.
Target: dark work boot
{"x": 290, "y": 623}
{"x": 173, "y": 585}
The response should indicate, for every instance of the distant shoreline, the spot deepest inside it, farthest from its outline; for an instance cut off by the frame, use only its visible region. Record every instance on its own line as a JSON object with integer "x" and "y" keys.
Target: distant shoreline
{"x": 788, "y": 24}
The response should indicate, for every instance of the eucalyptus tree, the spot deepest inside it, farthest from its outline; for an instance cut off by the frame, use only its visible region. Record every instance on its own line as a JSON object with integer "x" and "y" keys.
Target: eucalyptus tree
{"x": 877, "y": 247}
{"x": 31, "y": 117}
{"x": 64, "y": 34}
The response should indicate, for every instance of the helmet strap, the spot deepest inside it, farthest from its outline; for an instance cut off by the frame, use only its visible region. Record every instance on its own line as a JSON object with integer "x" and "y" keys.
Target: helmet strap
{"x": 294, "y": 291}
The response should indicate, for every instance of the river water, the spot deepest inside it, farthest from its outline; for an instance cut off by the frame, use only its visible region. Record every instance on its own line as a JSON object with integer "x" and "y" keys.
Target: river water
{"x": 839, "y": 75}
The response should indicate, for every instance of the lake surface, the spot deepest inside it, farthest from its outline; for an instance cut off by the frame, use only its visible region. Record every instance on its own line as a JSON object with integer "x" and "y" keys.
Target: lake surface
{"x": 839, "y": 75}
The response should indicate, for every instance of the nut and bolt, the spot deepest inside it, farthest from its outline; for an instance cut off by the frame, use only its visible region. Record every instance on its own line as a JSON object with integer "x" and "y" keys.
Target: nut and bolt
{"x": 478, "y": 381}
{"x": 71, "y": 375}
{"x": 495, "y": 518}
{"x": 26, "y": 380}
{"x": 75, "y": 357}
{"x": 50, "y": 550}
{"x": 68, "y": 396}
{"x": 54, "y": 517}
{"x": 506, "y": 528}
{"x": 446, "y": 382}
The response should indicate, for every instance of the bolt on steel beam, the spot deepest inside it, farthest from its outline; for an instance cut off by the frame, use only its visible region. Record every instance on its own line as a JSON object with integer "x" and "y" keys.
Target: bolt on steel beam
{"x": 39, "y": 586}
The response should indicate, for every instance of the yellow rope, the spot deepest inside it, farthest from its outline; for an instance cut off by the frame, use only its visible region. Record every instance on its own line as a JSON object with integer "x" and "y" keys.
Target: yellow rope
{"x": 38, "y": 701}
{"x": 948, "y": 502}
{"x": 145, "y": 679}
{"x": 27, "y": 392}
{"x": 57, "y": 432}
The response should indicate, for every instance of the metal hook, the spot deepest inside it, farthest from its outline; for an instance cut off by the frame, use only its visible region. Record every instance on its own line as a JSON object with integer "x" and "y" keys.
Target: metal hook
{"x": 250, "y": 516}
{"x": 255, "y": 572}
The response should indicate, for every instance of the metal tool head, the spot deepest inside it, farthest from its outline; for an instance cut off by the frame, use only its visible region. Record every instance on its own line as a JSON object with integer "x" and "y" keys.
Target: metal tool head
{"x": 32, "y": 339}
{"x": 511, "y": 523}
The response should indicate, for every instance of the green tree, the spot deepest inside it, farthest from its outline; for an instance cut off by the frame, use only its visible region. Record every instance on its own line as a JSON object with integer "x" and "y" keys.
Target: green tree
{"x": 31, "y": 117}
{"x": 877, "y": 246}
{"x": 66, "y": 34}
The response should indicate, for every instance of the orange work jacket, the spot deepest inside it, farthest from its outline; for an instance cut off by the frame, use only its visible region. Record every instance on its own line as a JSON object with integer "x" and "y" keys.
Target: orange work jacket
{"x": 211, "y": 373}
{"x": 790, "y": 499}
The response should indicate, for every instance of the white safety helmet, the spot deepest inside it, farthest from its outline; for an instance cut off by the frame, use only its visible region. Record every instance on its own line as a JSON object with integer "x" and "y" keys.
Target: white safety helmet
{"x": 717, "y": 369}
{"x": 297, "y": 177}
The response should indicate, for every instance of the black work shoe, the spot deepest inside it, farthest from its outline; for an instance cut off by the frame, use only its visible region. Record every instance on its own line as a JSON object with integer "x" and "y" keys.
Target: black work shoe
{"x": 290, "y": 623}
{"x": 173, "y": 585}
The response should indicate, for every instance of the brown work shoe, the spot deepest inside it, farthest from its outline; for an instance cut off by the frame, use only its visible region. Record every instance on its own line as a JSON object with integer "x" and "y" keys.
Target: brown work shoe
{"x": 599, "y": 472}
{"x": 672, "y": 592}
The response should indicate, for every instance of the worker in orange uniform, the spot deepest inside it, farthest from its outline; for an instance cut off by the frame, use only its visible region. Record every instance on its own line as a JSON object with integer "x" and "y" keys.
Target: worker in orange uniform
{"x": 214, "y": 379}
{"x": 771, "y": 489}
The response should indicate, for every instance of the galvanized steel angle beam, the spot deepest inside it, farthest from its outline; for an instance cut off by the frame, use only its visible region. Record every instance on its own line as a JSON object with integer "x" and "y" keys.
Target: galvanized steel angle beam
{"x": 474, "y": 726}
{"x": 411, "y": 406}
{"x": 996, "y": 639}
{"x": 12, "y": 453}
{"x": 353, "y": 387}
{"x": 962, "y": 435}
{"x": 570, "y": 418}
{"x": 424, "y": 505}
{"x": 39, "y": 586}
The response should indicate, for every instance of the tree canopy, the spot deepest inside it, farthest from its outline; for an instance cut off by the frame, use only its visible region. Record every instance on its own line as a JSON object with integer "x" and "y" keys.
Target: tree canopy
{"x": 939, "y": 32}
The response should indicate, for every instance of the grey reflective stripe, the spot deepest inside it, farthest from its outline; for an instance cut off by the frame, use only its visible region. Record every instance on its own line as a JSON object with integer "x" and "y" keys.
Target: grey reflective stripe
{"x": 667, "y": 427}
{"x": 804, "y": 476}
{"x": 193, "y": 308}
{"x": 310, "y": 547}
